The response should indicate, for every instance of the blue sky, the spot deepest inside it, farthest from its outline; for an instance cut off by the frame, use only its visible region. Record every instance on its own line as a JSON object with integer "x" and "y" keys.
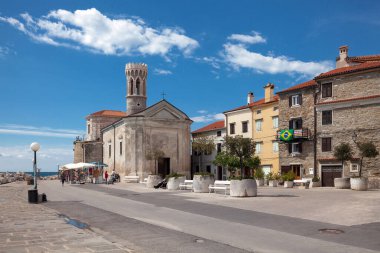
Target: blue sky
{"x": 62, "y": 60}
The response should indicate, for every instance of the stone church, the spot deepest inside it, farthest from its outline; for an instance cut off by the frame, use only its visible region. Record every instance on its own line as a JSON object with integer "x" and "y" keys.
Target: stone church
{"x": 124, "y": 140}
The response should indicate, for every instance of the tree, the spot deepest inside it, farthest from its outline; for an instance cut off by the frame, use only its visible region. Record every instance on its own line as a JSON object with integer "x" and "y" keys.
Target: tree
{"x": 343, "y": 152}
{"x": 243, "y": 150}
{"x": 366, "y": 149}
{"x": 203, "y": 146}
{"x": 155, "y": 154}
{"x": 227, "y": 161}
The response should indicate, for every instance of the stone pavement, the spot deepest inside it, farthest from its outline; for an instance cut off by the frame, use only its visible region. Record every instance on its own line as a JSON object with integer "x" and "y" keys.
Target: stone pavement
{"x": 31, "y": 228}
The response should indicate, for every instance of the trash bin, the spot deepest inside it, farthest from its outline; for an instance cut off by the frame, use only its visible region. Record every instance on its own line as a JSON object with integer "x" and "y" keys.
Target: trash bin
{"x": 44, "y": 199}
{"x": 33, "y": 196}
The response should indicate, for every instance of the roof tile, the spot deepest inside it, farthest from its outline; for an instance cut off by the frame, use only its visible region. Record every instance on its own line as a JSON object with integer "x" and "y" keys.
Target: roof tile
{"x": 210, "y": 127}
{"x": 350, "y": 69}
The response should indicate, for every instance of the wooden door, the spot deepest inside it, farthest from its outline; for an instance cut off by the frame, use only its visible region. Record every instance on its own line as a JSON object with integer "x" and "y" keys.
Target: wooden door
{"x": 329, "y": 172}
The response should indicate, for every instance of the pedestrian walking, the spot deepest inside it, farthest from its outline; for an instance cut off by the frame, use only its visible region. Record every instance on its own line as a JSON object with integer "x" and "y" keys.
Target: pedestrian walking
{"x": 63, "y": 179}
{"x": 106, "y": 176}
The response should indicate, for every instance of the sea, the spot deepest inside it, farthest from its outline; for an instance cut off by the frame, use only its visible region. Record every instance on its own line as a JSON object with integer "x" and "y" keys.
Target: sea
{"x": 44, "y": 173}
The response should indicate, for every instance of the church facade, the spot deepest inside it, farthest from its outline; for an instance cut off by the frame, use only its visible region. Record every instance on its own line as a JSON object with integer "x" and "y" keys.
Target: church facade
{"x": 128, "y": 140}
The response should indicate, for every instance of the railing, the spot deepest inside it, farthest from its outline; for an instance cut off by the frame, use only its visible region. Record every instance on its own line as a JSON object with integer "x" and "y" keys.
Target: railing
{"x": 289, "y": 135}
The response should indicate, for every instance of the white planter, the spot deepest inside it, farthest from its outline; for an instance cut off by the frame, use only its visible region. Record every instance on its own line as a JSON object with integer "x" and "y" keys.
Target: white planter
{"x": 342, "y": 183}
{"x": 288, "y": 184}
{"x": 173, "y": 183}
{"x": 359, "y": 183}
{"x": 243, "y": 188}
{"x": 273, "y": 183}
{"x": 201, "y": 183}
{"x": 315, "y": 184}
{"x": 260, "y": 182}
{"x": 153, "y": 180}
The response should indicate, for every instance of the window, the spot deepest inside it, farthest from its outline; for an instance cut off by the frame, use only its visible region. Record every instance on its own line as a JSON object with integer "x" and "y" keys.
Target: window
{"x": 354, "y": 167}
{"x": 326, "y": 144}
{"x": 121, "y": 148}
{"x": 275, "y": 121}
{"x": 244, "y": 126}
{"x": 259, "y": 124}
{"x": 295, "y": 147}
{"x": 219, "y": 147}
{"x": 88, "y": 128}
{"x": 326, "y": 117}
{"x": 295, "y": 100}
{"x": 275, "y": 109}
{"x": 208, "y": 168}
{"x": 219, "y": 133}
{"x": 109, "y": 150}
{"x": 326, "y": 90}
{"x": 258, "y": 148}
{"x": 275, "y": 146}
{"x": 138, "y": 86}
{"x": 258, "y": 112}
{"x": 232, "y": 128}
{"x": 295, "y": 123}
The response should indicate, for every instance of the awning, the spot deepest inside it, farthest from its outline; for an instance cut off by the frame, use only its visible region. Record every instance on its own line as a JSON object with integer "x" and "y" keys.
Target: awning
{"x": 99, "y": 164}
{"x": 73, "y": 166}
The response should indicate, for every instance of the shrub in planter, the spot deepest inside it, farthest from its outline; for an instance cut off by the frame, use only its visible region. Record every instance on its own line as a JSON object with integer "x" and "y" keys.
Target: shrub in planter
{"x": 201, "y": 182}
{"x": 288, "y": 178}
{"x": 359, "y": 183}
{"x": 153, "y": 180}
{"x": 273, "y": 179}
{"x": 259, "y": 175}
{"x": 174, "y": 180}
{"x": 243, "y": 188}
{"x": 315, "y": 182}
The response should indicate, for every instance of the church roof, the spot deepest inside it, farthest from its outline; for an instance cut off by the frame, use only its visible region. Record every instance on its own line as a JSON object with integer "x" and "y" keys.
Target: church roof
{"x": 108, "y": 113}
{"x": 141, "y": 113}
{"x": 213, "y": 126}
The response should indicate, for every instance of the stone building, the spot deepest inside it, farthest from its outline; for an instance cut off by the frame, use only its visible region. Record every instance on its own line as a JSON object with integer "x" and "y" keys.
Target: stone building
{"x": 217, "y": 132}
{"x": 123, "y": 140}
{"x": 348, "y": 109}
{"x": 296, "y": 129}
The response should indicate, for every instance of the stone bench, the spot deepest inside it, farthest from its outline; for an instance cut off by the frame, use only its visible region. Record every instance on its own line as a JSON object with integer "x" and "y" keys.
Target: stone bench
{"x": 187, "y": 185}
{"x": 304, "y": 183}
{"x": 131, "y": 179}
{"x": 220, "y": 185}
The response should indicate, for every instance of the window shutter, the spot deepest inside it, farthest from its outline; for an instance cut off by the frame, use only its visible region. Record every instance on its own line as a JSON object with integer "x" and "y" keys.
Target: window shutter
{"x": 290, "y": 124}
{"x": 300, "y": 123}
{"x": 300, "y": 96}
{"x": 290, "y": 101}
{"x": 290, "y": 148}
{"x": 300, "y": 147}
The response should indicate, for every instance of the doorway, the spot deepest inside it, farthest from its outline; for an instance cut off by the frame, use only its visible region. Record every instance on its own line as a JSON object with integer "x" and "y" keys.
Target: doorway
{"x": 219, "y": 173}
{"x": 329, "y": 172}
{"x": 164, "y": 166}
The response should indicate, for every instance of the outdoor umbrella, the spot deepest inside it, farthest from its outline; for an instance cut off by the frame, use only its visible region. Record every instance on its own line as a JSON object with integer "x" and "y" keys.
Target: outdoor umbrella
{"x": 99, "y": 164}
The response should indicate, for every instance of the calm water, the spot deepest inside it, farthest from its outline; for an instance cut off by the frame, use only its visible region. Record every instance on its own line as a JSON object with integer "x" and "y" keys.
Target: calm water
{"x": 44, "y": 174}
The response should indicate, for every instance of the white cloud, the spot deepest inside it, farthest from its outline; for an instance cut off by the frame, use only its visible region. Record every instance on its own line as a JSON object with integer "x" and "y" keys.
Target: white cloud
{"x": 208, "y": 118}
{"x": 202, "y": 111}
{"x": 39, "y": 131}
{"x": 92, "y": 30}
{"x": 248, "y": 39}
{"x": 238, "y": 56}
{"x": 162, "y": 72}
{"x": 4, "y": 51}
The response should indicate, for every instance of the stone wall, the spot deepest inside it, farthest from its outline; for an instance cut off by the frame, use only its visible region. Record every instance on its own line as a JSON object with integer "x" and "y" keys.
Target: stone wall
{"x": 96, "y": 124}
{"x": 92, "y": 151}
{"x": 306, "y": 112}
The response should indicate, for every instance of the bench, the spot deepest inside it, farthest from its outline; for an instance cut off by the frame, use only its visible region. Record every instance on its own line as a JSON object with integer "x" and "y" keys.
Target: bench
{"x": 220, "y": 185}
{"x": 304, "y": 182}
{"x": 187, "y": 185}
{"x": 145, "y": 181}
{"x": 131, "y": 179}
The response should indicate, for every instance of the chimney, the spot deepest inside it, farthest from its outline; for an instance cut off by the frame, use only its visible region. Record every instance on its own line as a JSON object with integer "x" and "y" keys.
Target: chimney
{"x": 269, "y": 88}
{"x": 341, "y": 59}
{"x": 250, "y": 97}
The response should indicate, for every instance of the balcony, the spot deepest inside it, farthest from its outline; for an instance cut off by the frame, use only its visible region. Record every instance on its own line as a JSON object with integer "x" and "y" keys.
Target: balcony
{"x": 291, "y": 135}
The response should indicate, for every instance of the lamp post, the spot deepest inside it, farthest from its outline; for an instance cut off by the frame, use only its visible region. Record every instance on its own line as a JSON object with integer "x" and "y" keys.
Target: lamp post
{"x": 35, "y": 147}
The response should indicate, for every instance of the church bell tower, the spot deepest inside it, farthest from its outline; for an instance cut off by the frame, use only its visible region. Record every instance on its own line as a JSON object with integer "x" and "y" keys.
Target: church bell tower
{"x": 136, "y": 87}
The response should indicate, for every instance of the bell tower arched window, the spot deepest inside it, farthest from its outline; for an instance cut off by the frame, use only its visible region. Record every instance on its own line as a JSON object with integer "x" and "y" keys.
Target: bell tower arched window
{"x": 138, "y": 86}
{"x": 131, "y": 86}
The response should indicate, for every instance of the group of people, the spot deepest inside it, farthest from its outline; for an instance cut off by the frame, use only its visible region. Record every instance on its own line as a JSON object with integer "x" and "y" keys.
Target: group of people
{"x": 113, "y": 178}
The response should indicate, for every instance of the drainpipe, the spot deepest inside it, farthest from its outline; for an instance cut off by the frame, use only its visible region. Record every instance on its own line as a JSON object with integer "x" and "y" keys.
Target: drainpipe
{"x": 315, "y": 129}
{"x": 114, "y": 146}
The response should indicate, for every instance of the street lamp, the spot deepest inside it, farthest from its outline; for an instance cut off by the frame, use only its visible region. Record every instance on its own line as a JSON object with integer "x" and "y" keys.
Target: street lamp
{"x": 35, "y": 147}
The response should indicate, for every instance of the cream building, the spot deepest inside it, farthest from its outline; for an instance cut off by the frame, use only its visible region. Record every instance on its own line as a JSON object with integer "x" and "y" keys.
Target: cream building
{"x": 128, "y": 138}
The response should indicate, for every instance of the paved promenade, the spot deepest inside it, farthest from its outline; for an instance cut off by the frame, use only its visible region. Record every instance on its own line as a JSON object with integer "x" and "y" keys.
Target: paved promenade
{"x": 36, "y": 228}
{"x": 131, "y": 218}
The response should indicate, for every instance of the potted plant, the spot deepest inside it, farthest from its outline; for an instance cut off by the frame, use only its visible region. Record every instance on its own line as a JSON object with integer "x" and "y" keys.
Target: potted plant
{"x": 272, "y": 179}
{"x": 288, "y": 178}
{"x": 259, "y": 175}
{"x": 367, "y": 149}
{"x": 201, "y": 181}
{"x": 239, "y": 153}
{"x": 342, "y": 152}
{"x": 315, "y": 182}
{"x": 174, "y": 180}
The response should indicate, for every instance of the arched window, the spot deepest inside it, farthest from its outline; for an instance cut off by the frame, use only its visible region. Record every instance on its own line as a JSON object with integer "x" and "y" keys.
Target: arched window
{"x": 138, "y": 86}
{"x": 131, "y": 86}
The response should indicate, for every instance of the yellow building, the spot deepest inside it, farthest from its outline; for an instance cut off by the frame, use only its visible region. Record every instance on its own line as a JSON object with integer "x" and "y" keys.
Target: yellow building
{"x": 258, "y": 120}
{"x": 264, "y": 129}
